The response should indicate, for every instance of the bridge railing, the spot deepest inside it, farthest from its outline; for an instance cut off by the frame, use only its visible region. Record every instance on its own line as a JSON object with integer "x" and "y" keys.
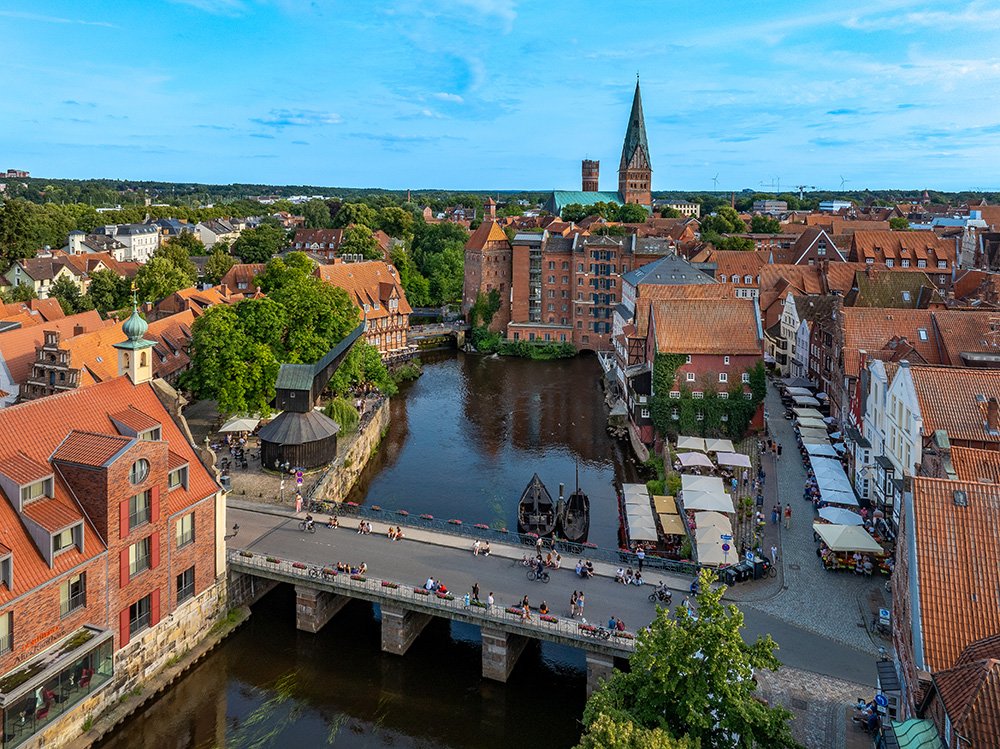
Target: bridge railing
{"x": 570, "y": 551}
{"x": 410, "y": 595}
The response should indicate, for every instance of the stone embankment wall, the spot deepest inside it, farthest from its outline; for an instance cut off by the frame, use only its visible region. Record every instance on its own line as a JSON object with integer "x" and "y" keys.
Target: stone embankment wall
{"x": 336, "y": 483}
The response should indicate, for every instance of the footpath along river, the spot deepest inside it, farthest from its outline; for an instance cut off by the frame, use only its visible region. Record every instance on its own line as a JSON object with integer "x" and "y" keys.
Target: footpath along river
{"x": 465, "y": 438}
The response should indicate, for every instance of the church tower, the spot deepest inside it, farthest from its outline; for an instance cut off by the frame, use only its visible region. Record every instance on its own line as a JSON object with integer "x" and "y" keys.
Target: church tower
{"x": 635, "y": 172}
{"x": 135, "y": 358}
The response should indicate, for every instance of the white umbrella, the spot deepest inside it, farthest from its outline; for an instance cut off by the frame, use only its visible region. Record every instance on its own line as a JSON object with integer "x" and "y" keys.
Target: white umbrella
{"x": 714, "y": 501}
{"x": 733, "y": 459}
{"x": 694, "y": 459}
{"x": 840, "y": 516}
{"x": 805, "y": 400}
{"x": 820, "y": 449}
{"x": 719, "y": 446}
{"x": 701, "y": 484}
{"x": 811, "y": 422}
{"x": 240, "y": 424}
{"x": 691, "y": 443}
{"x": 807, "y": 412}
{"x": 847, "y": 538}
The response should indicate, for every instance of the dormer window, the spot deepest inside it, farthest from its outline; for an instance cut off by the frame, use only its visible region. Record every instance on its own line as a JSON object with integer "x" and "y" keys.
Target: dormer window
{"x": 67, "y": 538}
{"x": 139, "y": 471}
{"x": 37, "y": 490}
{"x": 177, "y": 478}
{"x": 7, "y": 570}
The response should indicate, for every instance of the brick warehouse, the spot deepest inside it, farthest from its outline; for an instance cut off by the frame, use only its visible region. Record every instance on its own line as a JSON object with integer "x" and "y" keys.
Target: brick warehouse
{"x": 111, "y": 547}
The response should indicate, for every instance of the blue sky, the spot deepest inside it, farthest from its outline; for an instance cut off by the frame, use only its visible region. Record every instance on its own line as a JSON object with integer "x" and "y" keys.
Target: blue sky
{"x": 500, "y": 94}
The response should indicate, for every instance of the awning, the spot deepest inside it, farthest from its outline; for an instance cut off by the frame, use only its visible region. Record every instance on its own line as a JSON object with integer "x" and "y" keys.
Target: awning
{"x": 695, "y": 459}
{"x": 663, "y": 505}
{"x": 916, "y": 733}
{"x": 847, "y": 538}
{"x": 240, "y": 424}
{"x": 672, "y": 525}
{"x": 691, "y": 443}
{"x": 805, "y": 400}
{"x": 806, "y": 413}
{"x": 708, "y": 538}
{"x": 820, "y": 449}
{"x": 714, "y": 501}
{"x": 840, "y": 516}
{"x": 719, "y": 446}
{"x": 733, "y": 459}
{"x": 795, "y": 382}
{"x": 793, "y": 391}
{"x": 811, "y": 422}
{"x": 638, "y": 513}
{"x": 701, "y": 484}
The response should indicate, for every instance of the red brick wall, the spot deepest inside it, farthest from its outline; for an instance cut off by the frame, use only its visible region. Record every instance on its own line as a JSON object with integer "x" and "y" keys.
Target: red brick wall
{"x": 519, "y": 284}
{"x": 706, "y": 369}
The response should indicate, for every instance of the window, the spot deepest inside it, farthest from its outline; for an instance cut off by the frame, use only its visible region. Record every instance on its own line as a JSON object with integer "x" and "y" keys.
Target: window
{"x": 701, "y": 416}
{"x": 139, "y": 510}
{"x": 725, "y": 360}
{"x": 942, "y": 264}
{"x": 747, "y": 279}
{"x": 150, "y": 435}
{"x": 62, "y": 540}
{"x": 675, "y": 394}
{"x": 746, "y": 377}
{"x": 748, "y": 396}
{"x": 6, "y": 632}
{"x": 906, "y": 296}
{"x": 905, "y": 263}
{"x": 644, "y": 413}
{"x": 185, "y": 585}
{"x": 38, "y": 489}
{"x": 697, "y": 394}
{"x": 690, "y": 377}
{"x": 922, "y": 333}
{"x": 723, "y": 377}
{"x": 921, "y": 263}
{"x": 724, "y": 395}
{"x": 139, "y": 471}
{"x": 675, "y": 414}
{"x": 7, "y": 571}
{"x": 177, "y": 477}
{"x": 185, "y": 530}
{"x": 889, "y": 262}
{"x": 552, "y": 265}
{"x": 73, "y": 594}
{"x": 688, "y": 360}
{"x": 139, "y": 615}
{"x": 139, "y": 556}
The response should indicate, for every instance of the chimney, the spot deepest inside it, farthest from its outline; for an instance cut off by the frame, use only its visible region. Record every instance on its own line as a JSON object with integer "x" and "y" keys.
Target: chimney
{"x": 78, "y": 329}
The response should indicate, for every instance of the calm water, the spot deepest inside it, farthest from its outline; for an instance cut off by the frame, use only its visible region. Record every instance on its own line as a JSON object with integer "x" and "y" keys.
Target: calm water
{"x": 465, "y": 438}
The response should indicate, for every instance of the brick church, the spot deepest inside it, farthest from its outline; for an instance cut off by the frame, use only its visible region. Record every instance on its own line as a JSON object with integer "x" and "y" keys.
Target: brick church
{"x": 560, "y": 285}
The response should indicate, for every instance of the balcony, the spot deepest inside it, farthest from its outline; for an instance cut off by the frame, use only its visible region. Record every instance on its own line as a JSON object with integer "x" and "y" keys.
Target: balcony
{"x": 781, "y": 344}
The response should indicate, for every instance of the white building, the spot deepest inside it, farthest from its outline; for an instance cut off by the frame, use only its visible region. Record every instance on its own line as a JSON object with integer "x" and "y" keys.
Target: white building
{"x": 140, "y": 241}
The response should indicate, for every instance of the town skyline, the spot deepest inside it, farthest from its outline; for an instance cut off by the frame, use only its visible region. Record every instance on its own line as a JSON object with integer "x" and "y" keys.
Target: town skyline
{"x": 223, "y": 91}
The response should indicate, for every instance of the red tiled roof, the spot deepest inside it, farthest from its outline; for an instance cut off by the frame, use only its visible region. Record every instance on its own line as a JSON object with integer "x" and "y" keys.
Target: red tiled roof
{"x": 363, "y": 282}
{"x": 972, "y": 464}
{"x": 52, "y": 514}
{"x": 17, "y": 347}
{"x": 49, "y": 309}
{"x": 969, "y": 331}
{"x": 704, "y": 326}
{"x": 947, "y": 398}
{"x": 957, "y": 579}
{"x": 902, "y": 245}
{"x": 971, "y": 696}
{"x": 135, "y": 419}
{"x": 22, "y": 470}
{"x": 242, "y": 273}
{"x": 488, "y": 231}
{"x": 90, "y": 448}
{"x": 870, "y": 329}
{"x": 175, "y": 461}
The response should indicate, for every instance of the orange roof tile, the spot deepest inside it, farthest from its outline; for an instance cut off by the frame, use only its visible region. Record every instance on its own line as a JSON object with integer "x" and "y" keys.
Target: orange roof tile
{"x": 972, "y": 464}
{"x": 135, "y": 419}
{"x": 90, "y": 448}
{"x": 242, "y": 273}
{"x": 902, "y": 245}
{"x": 684, "y": 291}
{"x": 362, "y": 282}
{"x": 17, "y": 347}
{"x": 704, "y": 326}
{"x": 52, "y": 514}
{"x": 869, "y": 329}
{"x": 175, "y": 461}
{"x": 968, "y": 331}
{"x": 958, "y": 585}
{"x": 971, "y": 696}
{"x": 947, "y": 397}
{"x": 49, "y": 309}
{"x": 22, "y": 470}
{"x": 488, "y": 231}
{"x": 734, "y": 262}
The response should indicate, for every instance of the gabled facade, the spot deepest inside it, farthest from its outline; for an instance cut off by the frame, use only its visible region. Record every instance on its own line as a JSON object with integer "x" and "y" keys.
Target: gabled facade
{"x": 488, "y": 268}
{"x": 635, "y": 171}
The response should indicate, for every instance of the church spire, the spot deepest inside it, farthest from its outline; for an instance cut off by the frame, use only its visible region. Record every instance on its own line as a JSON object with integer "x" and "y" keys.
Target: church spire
{"x": 635, "y": 135}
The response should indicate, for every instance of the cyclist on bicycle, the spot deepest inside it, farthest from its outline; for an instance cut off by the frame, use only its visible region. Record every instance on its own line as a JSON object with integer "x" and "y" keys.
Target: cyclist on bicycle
{"x": 309, "y": 522}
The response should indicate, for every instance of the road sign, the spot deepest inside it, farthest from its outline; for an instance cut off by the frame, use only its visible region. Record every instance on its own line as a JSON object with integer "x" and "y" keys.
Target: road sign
{"x": 298, "y": 475}
{"x": 298, "y": 481}
{"x": 725, "y": 547}
{"x": 881, "y": 700}
{"x": 726, "y": 537}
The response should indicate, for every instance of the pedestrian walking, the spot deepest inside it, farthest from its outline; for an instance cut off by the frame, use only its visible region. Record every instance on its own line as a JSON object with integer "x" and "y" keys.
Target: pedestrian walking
{"x": 775, "y": 514}
{"x": 788, "y": 516}
{"x": 779, "y": 449}
{"x": 579, "y": 605}
{"x": 640, "y": 554}
{"x": 572, "y": 604}
{"x": 298, "y": 503}
{"x": 774, "y": 554}
{"x": 489, "y": 600}
{"x": 475, "y": 592}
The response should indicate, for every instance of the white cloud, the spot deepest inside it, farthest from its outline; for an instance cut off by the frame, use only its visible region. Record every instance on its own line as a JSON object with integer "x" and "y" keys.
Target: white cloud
{"x": 444, "y": 96}
{"x": 53, "y": 19}
{"x": 216, "y": 7}
{"x": 974, "y": 16}
{"x": 280, "y": 118}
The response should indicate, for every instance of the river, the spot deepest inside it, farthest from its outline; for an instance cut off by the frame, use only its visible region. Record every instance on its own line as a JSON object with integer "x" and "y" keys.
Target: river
{"x": 464, "y": 440}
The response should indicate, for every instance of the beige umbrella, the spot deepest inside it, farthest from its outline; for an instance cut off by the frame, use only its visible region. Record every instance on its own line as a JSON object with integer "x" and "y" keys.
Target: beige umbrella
{"x": 847, "y": 538}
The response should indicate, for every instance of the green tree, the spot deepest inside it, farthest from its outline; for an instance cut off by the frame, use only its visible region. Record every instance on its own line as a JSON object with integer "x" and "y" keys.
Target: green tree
{"x": 669, "y": 212}
{"x": 510, "y": 208}
{"x": 355, "y": 213}
{"x": 724, "y": 221}
{"x": 261, "y": 244}
{"x": 188, "y": 241}
{"x": 343, "y": 412}
{"x": 263, "y": 321}
{"x": 574, "y": 212}
{"x": 68, "y": 293}
{"x": 359, "y": 240}
{"x": 220, "y": 367}
{"x": 899, "y": 223}
{"x": 417, "y": 288}
{"x": 728, "y": 243}
{"x": 605, "y": 733}
{"x": 396, "y": 222}
{"x": 445, "y": 271}
{"x": 22, "y": 293}
{"x": 218, "y": 264}
{"x": 290, "y": 270}
{"x": 159, "y": 278}
{"x": 694, "y": 676}
{"x": 16, "y": 232}
{"x": 362, "y": 368}
{"x": 178, "y": 255}
{"x": 107, "y": 291}
{"x": 765, "y": 225}
{"x": 631, "y": 213}
{"x": 316, "y": 214}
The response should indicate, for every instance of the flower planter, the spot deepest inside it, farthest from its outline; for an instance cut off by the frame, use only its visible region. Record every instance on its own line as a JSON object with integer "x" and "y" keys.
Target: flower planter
{"x": 330, "y": 571}
{"x": 477, "y": 604}
{"x": 531, "y": 535}
{"x": 274, "y": 560}
{"x": 455, "y": 522}
{"x": 403, "y": 513}
{"x": 624, "y": 635}
{"x": 445, "y": 596}
{"x": 298, "y": 565}
{"x": 589, "y": 545}
{"x": 548, "y": 618}
{"x": 351, "y": 505}
{"x": 426, "y": 517}
{"x": 359, "y": 578}
{"x": 421, "y": 591}
{"x": 387, "y": 584}
{"x": 481, "y": 526}
{"x": 516, "y": 610}
{"x": 588, "y": 627}
{"x": 246, "y": 553}
{"x": 376, "y": 508}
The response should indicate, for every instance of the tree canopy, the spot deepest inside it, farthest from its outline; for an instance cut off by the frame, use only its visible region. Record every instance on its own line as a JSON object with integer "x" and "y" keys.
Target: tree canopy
{"x": 108, "y": 291}
{"x": 355, "y": 213}
{"x": 899, "y": 223}
{"x": 261, "y": 244}
{"x": 359, "y": 240}
{"x": 189, "y": 241}
{"x": 693, "y": 677}
{"x": 68, "y": 293}
{"x": 765, "y": 225}
{"x": 160, "y": 277}
{"x": 438, "y": 252}
{"x": 724, "y": 221}
{"x": 218, "y": 264}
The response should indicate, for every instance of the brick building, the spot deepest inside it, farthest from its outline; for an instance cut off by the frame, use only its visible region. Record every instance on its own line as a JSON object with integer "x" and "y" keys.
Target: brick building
{"x": 375, "y": 289}
{"x": 488, "y": 267}
{"x": 109, "y": 525}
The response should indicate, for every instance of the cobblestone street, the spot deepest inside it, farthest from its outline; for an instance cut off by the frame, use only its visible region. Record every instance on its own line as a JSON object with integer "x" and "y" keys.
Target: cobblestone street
{"x": 837, "y": 605}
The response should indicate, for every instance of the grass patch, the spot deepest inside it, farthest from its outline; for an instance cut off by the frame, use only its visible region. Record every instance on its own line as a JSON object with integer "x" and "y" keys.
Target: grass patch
{"x": 231, "y": 619}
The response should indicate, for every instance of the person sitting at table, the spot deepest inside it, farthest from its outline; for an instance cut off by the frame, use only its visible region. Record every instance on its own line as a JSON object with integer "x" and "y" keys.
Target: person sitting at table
{"x": 429, "y": 585}
{"x": 629, "y": 576}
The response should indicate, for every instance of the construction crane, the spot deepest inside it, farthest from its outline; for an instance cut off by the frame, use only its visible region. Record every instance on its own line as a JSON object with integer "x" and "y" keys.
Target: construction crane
{"x": 774, "y": 185}
{"x": 803, "y": 188}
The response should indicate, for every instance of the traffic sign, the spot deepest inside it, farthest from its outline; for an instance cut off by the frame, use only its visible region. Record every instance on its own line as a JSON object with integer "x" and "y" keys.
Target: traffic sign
{"x": 298, "y": 481}
{"x": 726, "y": 537}
{"x": 298, "y": 475}
{"x": 881, "y": 700}
{"x": 725, "y": 547}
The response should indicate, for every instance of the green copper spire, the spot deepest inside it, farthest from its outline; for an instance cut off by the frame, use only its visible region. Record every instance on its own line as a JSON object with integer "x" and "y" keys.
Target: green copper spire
{"x": 635, "y": 135}
{"x": 135, "y": 328}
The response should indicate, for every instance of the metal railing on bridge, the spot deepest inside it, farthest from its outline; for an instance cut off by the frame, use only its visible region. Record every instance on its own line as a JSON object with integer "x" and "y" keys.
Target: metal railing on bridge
{"x": 449, "y": 605}
{"x": 485, "y": 532}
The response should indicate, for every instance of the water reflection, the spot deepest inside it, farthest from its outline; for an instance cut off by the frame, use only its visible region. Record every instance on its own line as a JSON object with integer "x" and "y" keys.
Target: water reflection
{"x": 272, "y": 686}
{"x": 467, "y": 436}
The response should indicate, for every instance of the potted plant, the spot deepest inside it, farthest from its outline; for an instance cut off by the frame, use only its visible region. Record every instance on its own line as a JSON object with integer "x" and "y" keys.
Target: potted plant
{"x": 425, "y": 516}
{"x": 421, "y": 591}
{"x": 359, "y": 578}
{"x": 298, "y": 565}
{"x": 549, "y": 618}
{"x": 453, "y": 521}
{"x": 389, "y": 584}
{"x": 274, "y": 560}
